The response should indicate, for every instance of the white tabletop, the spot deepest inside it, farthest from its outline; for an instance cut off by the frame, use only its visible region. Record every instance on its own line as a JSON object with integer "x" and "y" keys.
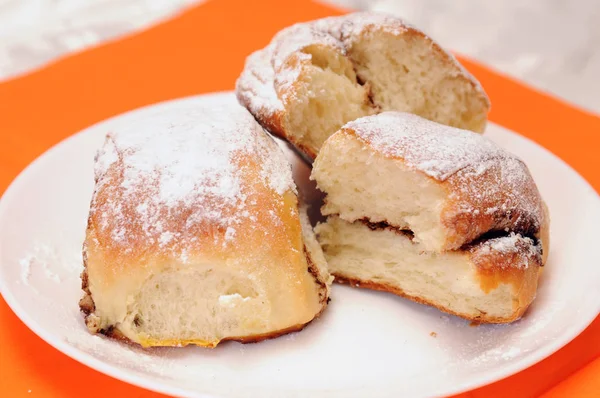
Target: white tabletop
{"x": 554, "y": 45}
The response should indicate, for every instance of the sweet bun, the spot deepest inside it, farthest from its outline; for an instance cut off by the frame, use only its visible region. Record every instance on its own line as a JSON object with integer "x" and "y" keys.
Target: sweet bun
{"x": 195, "y": 235}
{"x": 438, "y": 214}
{"x": 314, "y": 77}
{"x": 490, "y": 281}
{"x": 448, "y": 186}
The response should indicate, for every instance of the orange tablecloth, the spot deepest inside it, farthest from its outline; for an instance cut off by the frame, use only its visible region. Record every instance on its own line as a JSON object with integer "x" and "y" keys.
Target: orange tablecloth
{"x": 202, "y": 51}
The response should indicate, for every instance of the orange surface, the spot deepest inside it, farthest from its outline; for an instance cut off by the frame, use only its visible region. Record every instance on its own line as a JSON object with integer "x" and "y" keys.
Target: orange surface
{"x": 584, "y": 383}
{"x": 201, "y": 51}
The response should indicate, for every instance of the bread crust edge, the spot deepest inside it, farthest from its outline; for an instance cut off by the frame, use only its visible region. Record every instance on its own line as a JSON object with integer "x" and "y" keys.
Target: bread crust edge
{"x": 87, "y": 308}
{"x": 383, "y": 287}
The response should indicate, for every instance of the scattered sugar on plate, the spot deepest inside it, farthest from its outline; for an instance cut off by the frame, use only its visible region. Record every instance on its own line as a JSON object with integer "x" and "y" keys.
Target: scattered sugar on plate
{"x": 44, "y": 258}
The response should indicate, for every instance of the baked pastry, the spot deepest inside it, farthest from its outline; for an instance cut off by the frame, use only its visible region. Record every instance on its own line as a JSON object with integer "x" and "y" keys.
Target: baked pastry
{"x": 314, "y": 77}
{"x": 490, "y": 281}
{"x": 434, "y": 213}
{"x": 195, "y": 235}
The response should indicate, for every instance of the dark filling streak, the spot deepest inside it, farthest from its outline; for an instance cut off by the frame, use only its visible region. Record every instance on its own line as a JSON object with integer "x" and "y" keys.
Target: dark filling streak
{"x": 467, "y": 246}
{"x": 384, "y": 225}
{"x": 495, "y": 234}
{"x": 370, "y": 97}
{"x": 312, "y": 270}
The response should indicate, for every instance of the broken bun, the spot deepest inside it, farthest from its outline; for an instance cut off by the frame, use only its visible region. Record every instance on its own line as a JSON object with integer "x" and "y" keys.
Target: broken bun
{"x": 314, "y": 77}
{"x": 434, "y": 213}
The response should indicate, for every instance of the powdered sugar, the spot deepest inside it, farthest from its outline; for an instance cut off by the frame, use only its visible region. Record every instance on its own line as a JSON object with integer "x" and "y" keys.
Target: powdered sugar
{"x": 269, "y": 73}
{"x": 257, "y": 84}
{"x": 39, "y": 258}
{"x": 508, "y": 244}
{"x": 230, "y": 233}
{"x": 349, "y": 27}
{"x": 435, "y": 149}
{"x": 185, "y": 162}
{"x": 25, "y": 264}
{"x": 155, "y": 362}
{"x": 488, "y": 188}
{"x": 165, "y": 147}
{"x": 520, "y": 250}
{"x": 165, "y": 238}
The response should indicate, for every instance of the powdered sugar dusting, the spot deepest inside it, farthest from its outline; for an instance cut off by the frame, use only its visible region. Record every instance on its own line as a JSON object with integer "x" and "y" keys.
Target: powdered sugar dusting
{"x": 230, "y": 233}
{"x": 349, "y": 28}
{"x": 165, "y": 238}
{"x": 489, "y": 188}
{"x": 520, "y": 250}
{"x": 155, "y": 362}
{"x": 507, "y": 244}
{"x": 435, "y": 149}
{"x": 185, "y": 162}
{"x": 267, "y": 76}
{"x": 39, "y": 258}
{"x": 25, "y": 264}
{"x": 257, "y": 83}
{"x": 269, "y": 73}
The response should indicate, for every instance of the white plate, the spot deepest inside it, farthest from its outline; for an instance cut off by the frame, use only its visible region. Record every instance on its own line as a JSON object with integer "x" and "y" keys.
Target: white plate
{"x": 366, "y": 343}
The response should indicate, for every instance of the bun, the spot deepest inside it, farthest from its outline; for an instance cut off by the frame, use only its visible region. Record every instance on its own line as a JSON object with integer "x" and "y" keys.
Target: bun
{"x": 314, "y": 77}
{"x": 437, "y": 214}
{"x": 490, "y": 281}
{"x": 195, "y": 235}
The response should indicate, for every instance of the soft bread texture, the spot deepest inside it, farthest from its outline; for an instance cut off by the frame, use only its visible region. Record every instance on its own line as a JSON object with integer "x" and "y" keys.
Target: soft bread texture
{"x": 448, "y": 186}
{"x": 440, "y": 215}
{"x": 195, "y": 235}
{"x": 314, "y": 77}
{"x": 491, "y": 281}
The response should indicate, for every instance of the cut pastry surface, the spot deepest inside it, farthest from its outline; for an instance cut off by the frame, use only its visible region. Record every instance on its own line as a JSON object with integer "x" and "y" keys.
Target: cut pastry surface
{"x": 314, "y": 77}
{"x": 434, "y": 213}
{"x": 491, "y": 281}
{"x": 448, "y": 186}
{"x": 195, "y": 235}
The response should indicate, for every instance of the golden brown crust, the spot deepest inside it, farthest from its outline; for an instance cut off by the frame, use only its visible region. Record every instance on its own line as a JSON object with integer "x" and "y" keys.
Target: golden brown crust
{"x": 314, "y": 271}
{"x": 518, "y": 265}
{"x": 86, "y": 304}
{"x": 482, "y": 318}
{"x": 115, "y": 334}
{"x": 493, "y": 193}
{"x": 231, "y": 210}
{"x": 270, "y": 121}
{"x": 493, "y": 214}
{"x": 87, "y": 307}
{"x": 272, "y": 335}
{"x": 512, "y": 260}
{"x": 493, "y": 206}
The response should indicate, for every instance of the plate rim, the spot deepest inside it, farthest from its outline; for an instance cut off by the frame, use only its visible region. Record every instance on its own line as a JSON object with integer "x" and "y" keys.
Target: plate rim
{"x": 487, "y": 377}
